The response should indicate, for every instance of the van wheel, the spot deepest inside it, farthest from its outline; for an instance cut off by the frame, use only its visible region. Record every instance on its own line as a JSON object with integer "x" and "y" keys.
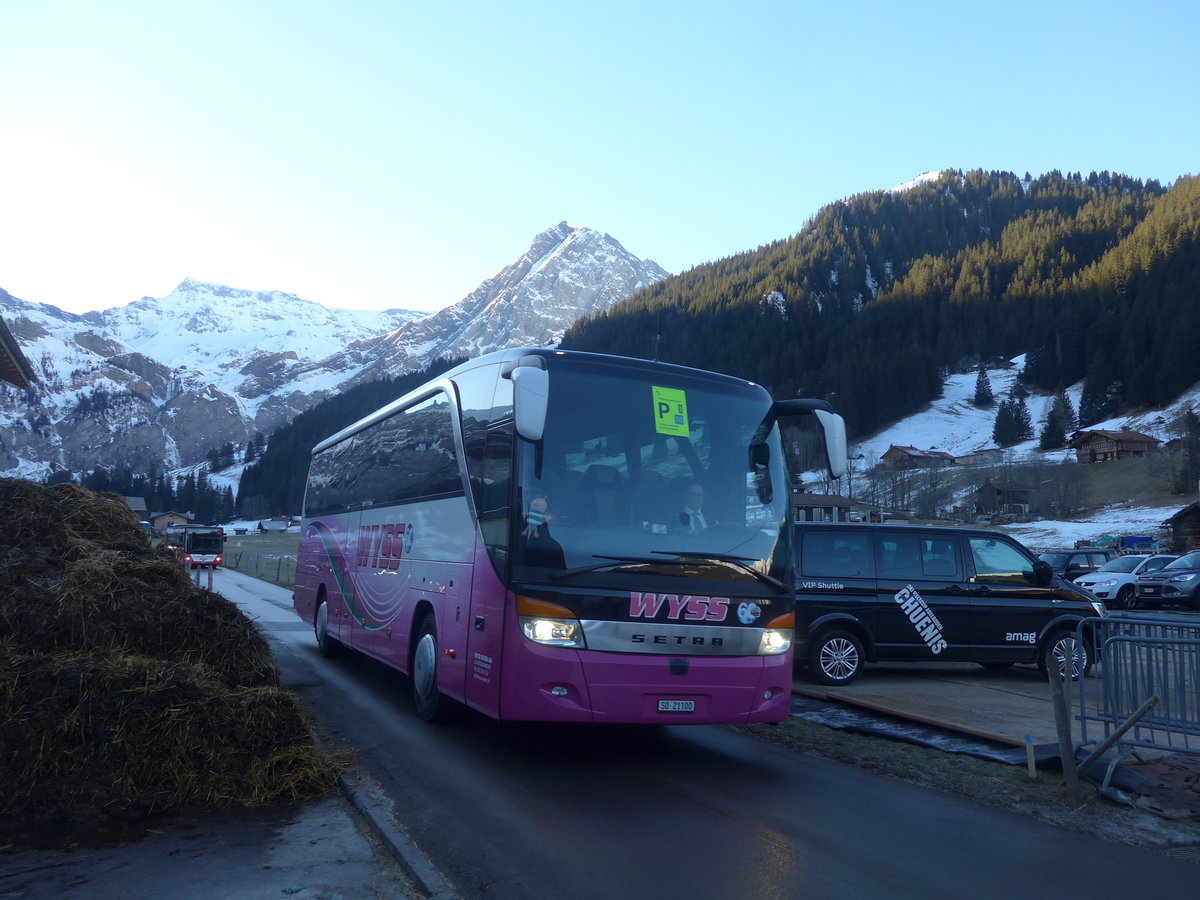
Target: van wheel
{"x": 836, "y": 657}
{"x": 1063, "y": 654}
{"x": 1124, "y": 598}
{"x": 431, "y": 705}
{"x": 326, "y": 643}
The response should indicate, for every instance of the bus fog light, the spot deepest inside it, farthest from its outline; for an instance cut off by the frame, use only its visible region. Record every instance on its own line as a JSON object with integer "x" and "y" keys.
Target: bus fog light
{"x": 768, "y": 694}
{"x": 559, "y": 691}
{"x": 553, "y": 632}
{"x": 775, "y": 641}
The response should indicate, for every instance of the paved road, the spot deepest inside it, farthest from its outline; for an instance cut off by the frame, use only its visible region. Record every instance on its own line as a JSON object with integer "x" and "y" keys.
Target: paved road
{"x": 521, "y": 811}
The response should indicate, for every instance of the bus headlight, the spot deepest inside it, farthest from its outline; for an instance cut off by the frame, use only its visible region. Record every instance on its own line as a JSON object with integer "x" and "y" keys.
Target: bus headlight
{"x": 549, "y": 623}
{"x": 553, "y": 632}
{"x": 774, "y": 641}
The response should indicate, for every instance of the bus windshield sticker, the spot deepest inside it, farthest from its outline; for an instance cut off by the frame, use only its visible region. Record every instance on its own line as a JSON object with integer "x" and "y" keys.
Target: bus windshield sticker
{"x": 670, "y": 411}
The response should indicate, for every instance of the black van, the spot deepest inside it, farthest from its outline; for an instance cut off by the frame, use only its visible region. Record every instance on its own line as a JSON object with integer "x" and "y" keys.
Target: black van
{"x": 873, "y": 593}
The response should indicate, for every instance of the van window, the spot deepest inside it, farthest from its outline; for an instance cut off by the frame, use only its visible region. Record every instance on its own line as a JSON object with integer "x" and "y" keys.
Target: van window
{"x": 1000, "y": 562}
{"x": 907, "y": 556}
{"x": 830, "y": 554}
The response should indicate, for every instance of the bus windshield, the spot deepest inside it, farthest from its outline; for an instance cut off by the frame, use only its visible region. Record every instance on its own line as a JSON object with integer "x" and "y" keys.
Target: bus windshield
{"x": 206, "y": 542}
{"x": 673, "y": 471}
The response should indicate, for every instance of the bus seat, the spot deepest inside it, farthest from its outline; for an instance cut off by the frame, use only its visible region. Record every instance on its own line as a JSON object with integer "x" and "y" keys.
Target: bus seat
{"x": 606, "y": 494}
{"x": 649, "y": 501}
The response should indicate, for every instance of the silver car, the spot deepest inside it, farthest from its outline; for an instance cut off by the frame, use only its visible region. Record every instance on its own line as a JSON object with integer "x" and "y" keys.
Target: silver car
{"x": 1115, "y": 582}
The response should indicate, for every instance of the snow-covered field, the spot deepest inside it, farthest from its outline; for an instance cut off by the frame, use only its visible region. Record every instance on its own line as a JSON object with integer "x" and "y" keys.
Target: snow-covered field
{"x": 1117, "y": 522}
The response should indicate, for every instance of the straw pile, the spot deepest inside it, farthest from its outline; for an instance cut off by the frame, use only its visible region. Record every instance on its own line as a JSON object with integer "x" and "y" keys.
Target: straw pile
{"x": 125, "y": 689}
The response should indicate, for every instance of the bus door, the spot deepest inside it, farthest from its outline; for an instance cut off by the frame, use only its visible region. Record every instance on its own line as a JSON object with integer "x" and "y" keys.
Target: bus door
{"x": 491, "y": 456}
{"x": 924, "y": 610}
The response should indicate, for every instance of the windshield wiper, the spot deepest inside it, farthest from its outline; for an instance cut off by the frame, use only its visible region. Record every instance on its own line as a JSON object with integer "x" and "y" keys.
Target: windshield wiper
{"x": 742, "y": 562}
{"x": 613, "y": 562}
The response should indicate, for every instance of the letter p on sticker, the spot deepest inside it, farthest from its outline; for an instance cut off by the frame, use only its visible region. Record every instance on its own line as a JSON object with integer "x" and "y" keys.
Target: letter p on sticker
{"x": 670, "y": 411}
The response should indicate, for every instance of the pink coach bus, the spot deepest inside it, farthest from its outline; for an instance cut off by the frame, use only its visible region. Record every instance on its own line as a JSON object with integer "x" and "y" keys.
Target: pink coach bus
{"x": 526, "y": 535}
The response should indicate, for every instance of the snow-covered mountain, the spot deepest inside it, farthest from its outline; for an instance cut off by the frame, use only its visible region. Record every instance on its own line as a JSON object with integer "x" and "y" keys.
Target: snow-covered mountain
{"x": 162, "y": 381}
{"x": 567, "y": 273}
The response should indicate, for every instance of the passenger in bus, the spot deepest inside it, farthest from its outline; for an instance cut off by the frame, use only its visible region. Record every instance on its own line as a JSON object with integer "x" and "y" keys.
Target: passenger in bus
{"x": 692, "y": 518}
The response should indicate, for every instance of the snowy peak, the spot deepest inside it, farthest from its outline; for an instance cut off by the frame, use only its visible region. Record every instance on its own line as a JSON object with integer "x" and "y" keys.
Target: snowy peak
{"x": 920, "y": 179}
{"x": 567, "y": 272}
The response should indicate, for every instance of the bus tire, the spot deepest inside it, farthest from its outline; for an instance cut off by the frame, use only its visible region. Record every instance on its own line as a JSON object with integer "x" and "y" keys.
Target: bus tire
{"x": 836, "y": 657}
{"x": 1061, "y": 650}
{"x": 431, "y": 705}
{"x": 327, "y": 644}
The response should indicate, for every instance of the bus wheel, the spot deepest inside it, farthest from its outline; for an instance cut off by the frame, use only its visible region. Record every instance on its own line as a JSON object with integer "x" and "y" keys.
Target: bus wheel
{"x": 836, "y": 657}
{"x": 326, "y": 643}
{"x": 431, "y": 706}
{"x": 1062, "y": 655}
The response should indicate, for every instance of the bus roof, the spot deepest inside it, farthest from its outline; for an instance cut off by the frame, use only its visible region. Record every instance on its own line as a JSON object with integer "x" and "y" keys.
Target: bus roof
{"x": 512, "y": 356}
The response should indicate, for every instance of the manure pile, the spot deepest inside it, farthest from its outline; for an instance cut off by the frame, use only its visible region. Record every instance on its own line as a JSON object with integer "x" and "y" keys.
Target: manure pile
{"x": 125, "y": 689}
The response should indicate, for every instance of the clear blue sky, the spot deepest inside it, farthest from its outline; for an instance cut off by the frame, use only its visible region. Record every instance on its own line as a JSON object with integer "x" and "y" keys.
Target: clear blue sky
{"x": 376, "y": 154}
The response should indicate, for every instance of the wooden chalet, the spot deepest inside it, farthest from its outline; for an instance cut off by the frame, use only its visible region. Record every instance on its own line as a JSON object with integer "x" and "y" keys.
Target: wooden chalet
{"x": 137, "y": 504}
{"x": 1185, "y": 528}
{"x": 990, "y": 498}
{"x": 999, "y": 363}
{"x": 900, "y": 457}
{"x": 1099, "y": 445}
{"x": 819, "y": 507}
{"x": 980, "y": 457}
{"x": 163, "y": 520}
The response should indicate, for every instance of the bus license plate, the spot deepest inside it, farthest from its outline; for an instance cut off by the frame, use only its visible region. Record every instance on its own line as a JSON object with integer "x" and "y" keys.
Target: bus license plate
{"x": 677, "y": 706}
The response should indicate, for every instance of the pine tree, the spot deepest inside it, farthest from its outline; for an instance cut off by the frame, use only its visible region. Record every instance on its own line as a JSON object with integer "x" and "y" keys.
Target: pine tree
{"x": 1052, "y": 436}
{"x": 1059, "y": 422}
{"x": 983, "y": 389}
{"x": 1023, "y": 420}
{"x": 1004, "y": 429}
{"x": 1064, "y": 410}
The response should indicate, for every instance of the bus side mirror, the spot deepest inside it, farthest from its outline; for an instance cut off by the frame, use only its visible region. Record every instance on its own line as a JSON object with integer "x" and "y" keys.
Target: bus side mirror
{"x": 1043, "y": 575}
{"x": 834, "y": 427}
{"x": 531, "y": 394}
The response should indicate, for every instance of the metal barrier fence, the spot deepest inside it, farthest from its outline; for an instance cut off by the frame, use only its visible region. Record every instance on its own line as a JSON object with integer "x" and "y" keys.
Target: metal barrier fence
{"x": 1143, "y": 658}
{"x": 273, "y": 567}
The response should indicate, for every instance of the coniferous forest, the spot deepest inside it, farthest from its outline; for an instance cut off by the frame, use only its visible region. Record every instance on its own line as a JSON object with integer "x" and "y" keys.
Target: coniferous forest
{"x": 880, "y": 296}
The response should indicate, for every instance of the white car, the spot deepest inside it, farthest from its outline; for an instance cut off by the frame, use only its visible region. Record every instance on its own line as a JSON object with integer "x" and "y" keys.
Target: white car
{"x": 1114, "y": 582}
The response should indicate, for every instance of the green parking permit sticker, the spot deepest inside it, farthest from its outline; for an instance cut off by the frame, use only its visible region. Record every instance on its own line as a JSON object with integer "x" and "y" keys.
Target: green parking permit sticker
{"x": 670, "y": 411}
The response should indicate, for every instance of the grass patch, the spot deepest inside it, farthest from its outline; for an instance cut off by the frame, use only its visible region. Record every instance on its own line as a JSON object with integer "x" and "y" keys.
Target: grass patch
{"x": 267, "y": 557}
